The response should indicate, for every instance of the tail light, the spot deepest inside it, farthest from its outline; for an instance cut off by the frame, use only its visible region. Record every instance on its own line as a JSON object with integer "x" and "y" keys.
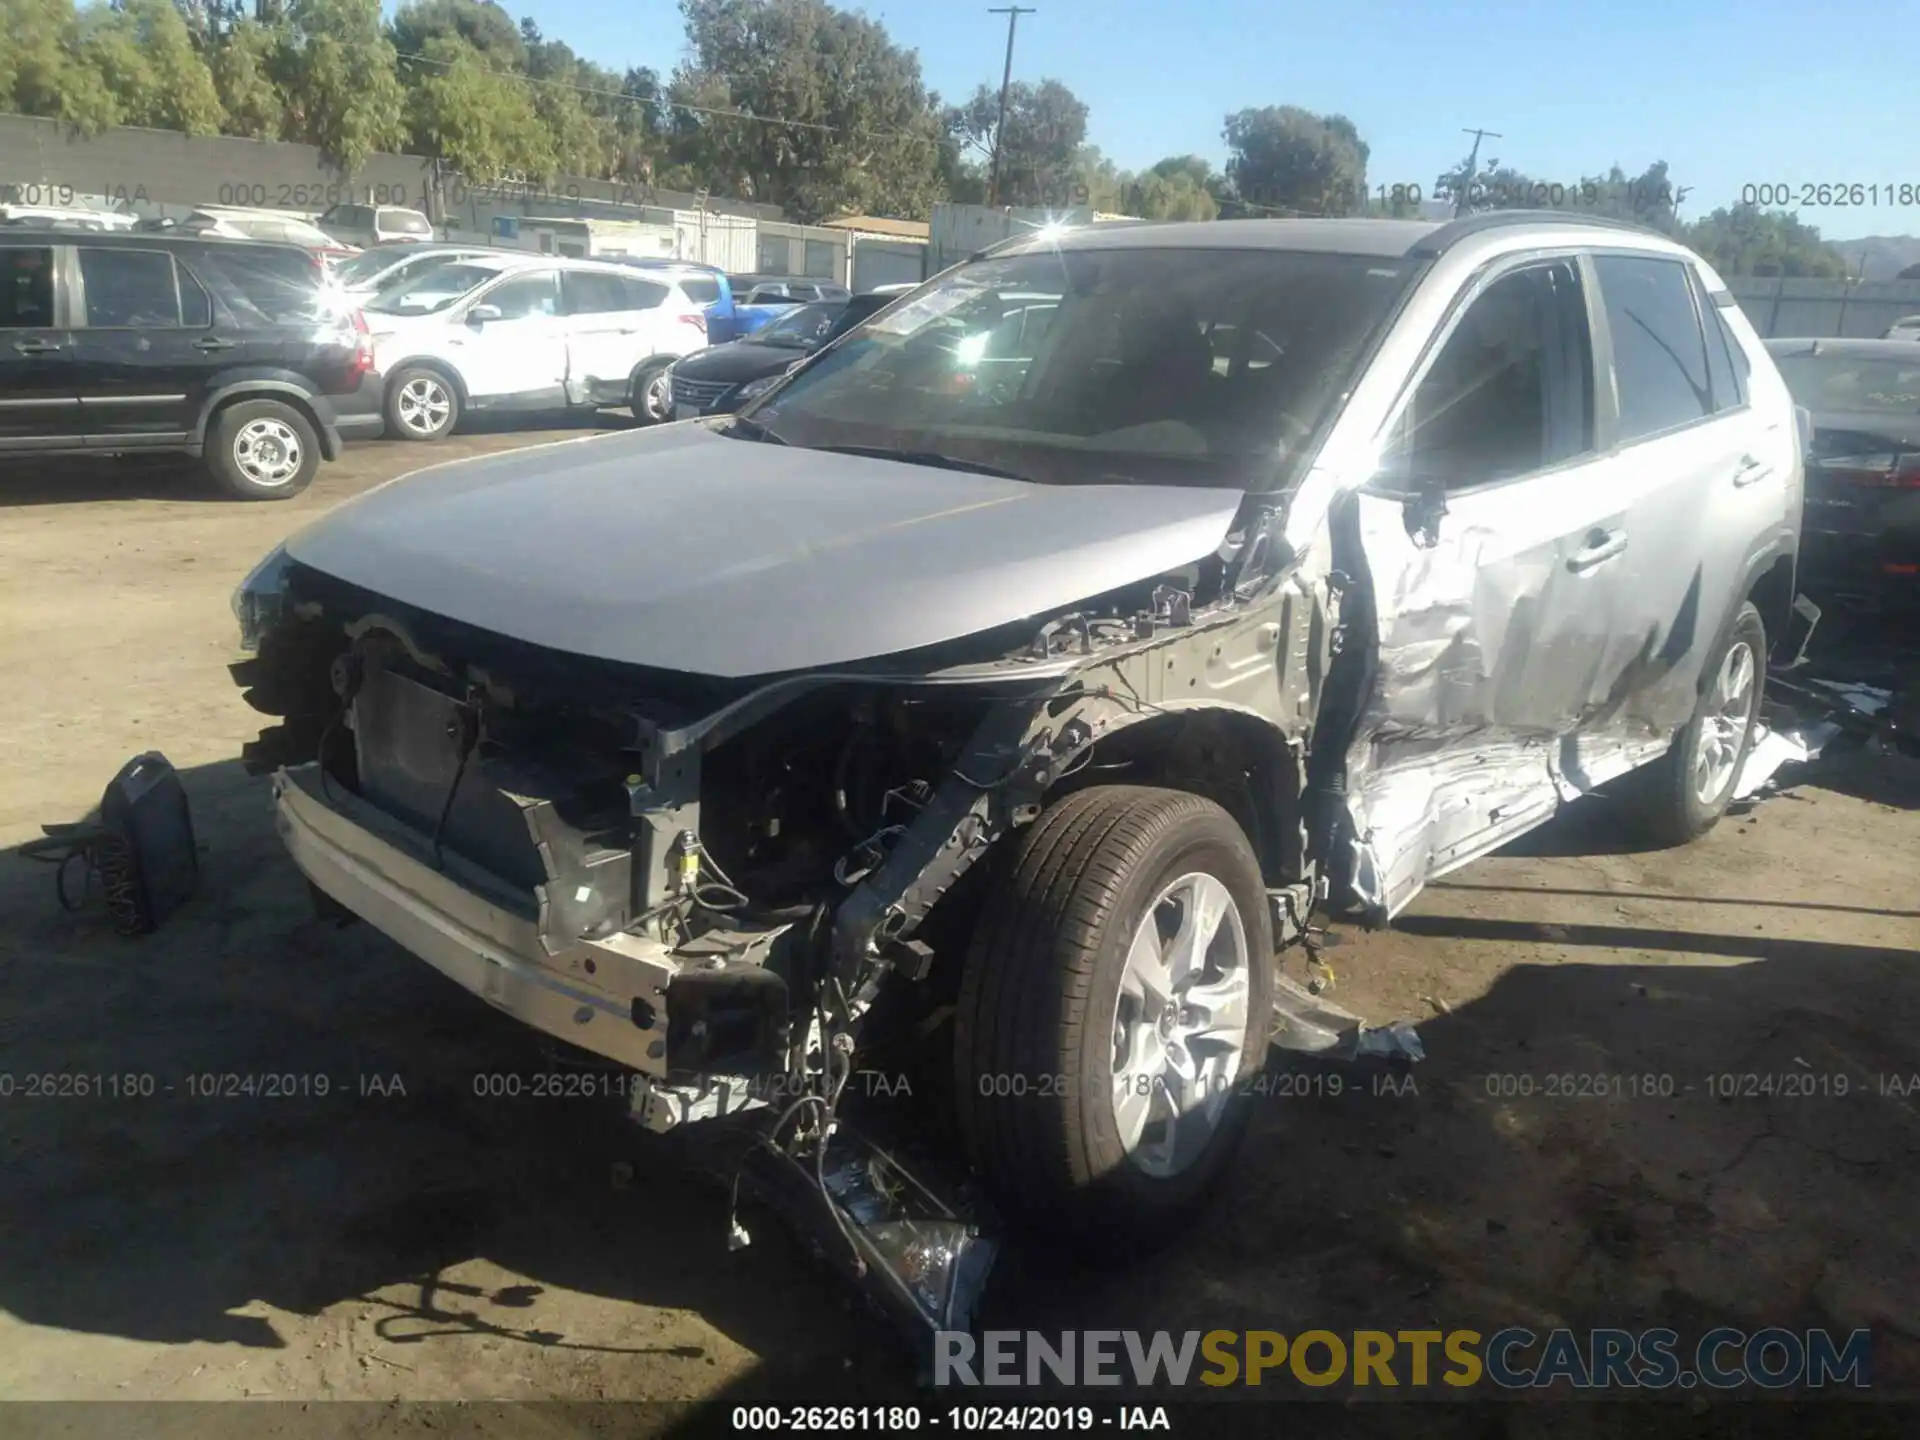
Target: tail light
{"x": 697, "y": 319}
{"x": 362, "y": 346}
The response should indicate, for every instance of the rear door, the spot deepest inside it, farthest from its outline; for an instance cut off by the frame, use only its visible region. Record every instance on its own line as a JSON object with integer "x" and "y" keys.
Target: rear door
{"x": 606, "y": 324}
{"x": 1493, "y": 595}
{"x": 39, "y": 394}
{"x": 522, "y": 356}
{"x": 1705, "y": 477}
{"x": 147, "y": 345}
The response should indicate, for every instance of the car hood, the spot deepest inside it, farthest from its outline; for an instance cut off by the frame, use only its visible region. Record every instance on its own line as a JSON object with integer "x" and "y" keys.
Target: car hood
{"x": 680, "y": 549}
{"x": 739, "y": 361}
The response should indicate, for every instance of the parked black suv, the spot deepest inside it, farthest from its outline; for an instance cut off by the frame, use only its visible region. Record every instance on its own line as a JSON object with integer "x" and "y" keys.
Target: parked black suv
{"x": 229, "y": 349}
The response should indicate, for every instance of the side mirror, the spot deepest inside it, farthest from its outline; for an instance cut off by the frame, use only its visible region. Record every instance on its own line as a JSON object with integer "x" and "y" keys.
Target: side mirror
{"x": 481, "y": 314}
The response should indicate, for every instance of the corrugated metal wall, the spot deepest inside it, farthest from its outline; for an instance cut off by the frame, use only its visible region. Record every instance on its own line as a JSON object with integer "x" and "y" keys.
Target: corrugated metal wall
{"x": 1823, "y": 308}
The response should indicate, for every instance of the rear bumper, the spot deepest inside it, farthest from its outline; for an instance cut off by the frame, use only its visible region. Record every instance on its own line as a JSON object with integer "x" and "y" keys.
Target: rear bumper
{"x": 617, "y": 1010}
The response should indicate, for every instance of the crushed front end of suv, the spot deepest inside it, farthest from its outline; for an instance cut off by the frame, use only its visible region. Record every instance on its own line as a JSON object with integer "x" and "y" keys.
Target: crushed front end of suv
{"x": 994, "y": 697}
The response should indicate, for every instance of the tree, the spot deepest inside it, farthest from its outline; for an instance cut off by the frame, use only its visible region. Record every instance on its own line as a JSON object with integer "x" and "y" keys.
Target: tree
{"x": 1746, "y": 240}
{"x": 39, "y": 72}
{"x": 1045, "y": 128}
{"x": 1290, "y": 160}
{"x": 242, "y": 63}
{"x": 461, "y": 110}
{"x": 577, "y": 101}
{"x": 336, "y": 70}
{"x": 482, "y": 25}
{"x": 848, "y": 123}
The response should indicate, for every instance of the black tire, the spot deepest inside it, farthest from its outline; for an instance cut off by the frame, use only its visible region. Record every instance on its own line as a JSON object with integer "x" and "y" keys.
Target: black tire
{"x": 645, "y": 385}
{"x": 1036, "y": 1022}
{"x": 1671, "y": 810}
{"x": 416, "y": 395}
{"x": 262, "y": 450}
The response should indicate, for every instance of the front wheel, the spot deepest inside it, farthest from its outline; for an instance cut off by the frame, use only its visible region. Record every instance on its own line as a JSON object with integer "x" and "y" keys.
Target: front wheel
{"x": 650, "y": 394}
{"x": 1115, "y": 1003}
{"x": 1689, "y": 789}
{"x": 421, "y": 405}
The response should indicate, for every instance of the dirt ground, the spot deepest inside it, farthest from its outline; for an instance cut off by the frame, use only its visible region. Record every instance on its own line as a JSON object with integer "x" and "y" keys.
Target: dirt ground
{"x": 401, "y": 1237}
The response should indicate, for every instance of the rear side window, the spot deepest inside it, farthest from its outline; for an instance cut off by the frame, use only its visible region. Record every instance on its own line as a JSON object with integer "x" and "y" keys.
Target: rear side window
{"x": 130, "y": 289}
{"x": 589, "y": 293}
{"x": 525, "y": 296}
{"x": 26, "y": 289}
{"x": 1659, "y": 353}
{"x": 1726, "y": 360}
{"x": 263, "y": 286}
{"x": 701, "y": 292}
{"x": 643, "y": 294}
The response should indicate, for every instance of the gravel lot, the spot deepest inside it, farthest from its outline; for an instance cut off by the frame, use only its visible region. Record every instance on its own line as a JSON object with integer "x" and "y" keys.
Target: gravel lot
{"x": 412, "y": 1240}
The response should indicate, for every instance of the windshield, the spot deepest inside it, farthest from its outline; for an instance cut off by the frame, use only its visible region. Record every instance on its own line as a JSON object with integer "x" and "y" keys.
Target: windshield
{"x": 404, "y": 222}
{"x": 801, "y": 329}
{"x": 1849, "y": 382}
{"x": 366, "y": 265}
{"x": 436, "y": 289}
{"x": 1153, "y": 366}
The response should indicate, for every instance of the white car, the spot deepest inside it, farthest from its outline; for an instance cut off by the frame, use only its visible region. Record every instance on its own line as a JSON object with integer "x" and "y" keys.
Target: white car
{"x": 532, "y": 333}
{"x": 275, "y": 226}
{"x": 364, "y": 226}
{"x": 386, "y": 267}
{"x": 1907, "y": 327}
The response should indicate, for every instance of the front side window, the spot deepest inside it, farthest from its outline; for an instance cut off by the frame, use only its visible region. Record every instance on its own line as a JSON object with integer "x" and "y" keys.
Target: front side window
{"x": 130, "y": 289}
{"x": 1659, "y": 353}
{"x": 526, "y": 297}
{"x": 1094, "y": 367}
{"x": 26, "y": 288}
{"x": 1511, "y": 391}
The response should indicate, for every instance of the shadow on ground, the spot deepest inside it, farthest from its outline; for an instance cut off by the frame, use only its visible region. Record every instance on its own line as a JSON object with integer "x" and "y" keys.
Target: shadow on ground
{"x": 1567, "y": 1155}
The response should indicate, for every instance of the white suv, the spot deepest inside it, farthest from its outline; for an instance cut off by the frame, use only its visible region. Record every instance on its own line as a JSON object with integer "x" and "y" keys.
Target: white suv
{"x": 533, "y": 333}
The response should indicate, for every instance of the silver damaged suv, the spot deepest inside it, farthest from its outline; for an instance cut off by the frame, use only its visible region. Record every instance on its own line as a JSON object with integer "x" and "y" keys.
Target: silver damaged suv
{"x": 1007, "y": 685}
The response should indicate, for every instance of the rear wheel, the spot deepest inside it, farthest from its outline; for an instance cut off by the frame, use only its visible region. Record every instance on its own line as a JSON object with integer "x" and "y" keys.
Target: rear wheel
{"x": 1689, "y": 789}
{"x": 650, "y": 393}
{"x": 1116, "y": 999}
{"x": 262, "y": 450}
{"x": 421, "y": 404}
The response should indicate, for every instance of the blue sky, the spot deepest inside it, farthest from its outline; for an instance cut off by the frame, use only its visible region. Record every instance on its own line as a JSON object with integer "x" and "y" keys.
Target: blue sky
{"x": 1729, "y": 94}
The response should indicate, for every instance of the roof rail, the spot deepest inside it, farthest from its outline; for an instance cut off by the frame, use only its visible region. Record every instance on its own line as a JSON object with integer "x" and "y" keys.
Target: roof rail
{"x": 1454, "y": 231}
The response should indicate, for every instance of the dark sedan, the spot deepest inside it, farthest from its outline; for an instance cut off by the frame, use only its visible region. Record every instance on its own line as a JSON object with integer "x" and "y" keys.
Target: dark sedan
{"x": 722, "y": 378}
{"x": 1862, "y": 528}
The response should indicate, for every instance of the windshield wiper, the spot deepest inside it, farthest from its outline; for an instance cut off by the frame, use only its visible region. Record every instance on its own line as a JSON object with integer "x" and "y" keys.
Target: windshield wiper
{"x": 922, "y": 457}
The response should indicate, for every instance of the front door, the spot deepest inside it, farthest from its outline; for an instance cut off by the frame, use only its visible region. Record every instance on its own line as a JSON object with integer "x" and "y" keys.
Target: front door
{"x": 39, "y": 399}
{"x": 1492, "y": 541}
{"x": 146, "y": 346}
{"x": 520, "y": 359}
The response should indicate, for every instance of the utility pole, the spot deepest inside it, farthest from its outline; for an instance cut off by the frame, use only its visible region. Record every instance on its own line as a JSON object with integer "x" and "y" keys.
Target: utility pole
{"x": 1473, "y": 167}
{"x": 1013, "y": 14}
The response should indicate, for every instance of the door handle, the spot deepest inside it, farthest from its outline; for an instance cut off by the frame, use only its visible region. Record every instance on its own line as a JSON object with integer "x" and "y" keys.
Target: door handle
{"x": 36, "y": 347}
{"x": 1601, "y": 546}
{"x": 214, "y": 342}
{"x": 1750, "y": 470}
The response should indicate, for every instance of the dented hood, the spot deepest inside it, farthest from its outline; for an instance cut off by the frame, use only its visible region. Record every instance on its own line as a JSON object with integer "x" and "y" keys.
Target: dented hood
{"x": 680, "y": 549}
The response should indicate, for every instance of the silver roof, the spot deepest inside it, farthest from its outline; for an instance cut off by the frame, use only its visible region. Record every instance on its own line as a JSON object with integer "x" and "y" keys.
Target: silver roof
{"x": 1393, "y": 238}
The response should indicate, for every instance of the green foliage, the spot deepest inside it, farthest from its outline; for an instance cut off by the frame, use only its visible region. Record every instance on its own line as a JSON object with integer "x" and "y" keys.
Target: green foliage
{"x": 862, "y": 134}
{"x": 1290, "y": 161}
{"x": 1046, "y": 127}
{"x": 460, "y": 109}
{"x": 1746, "y": 240}
{"x": 337, "y": 73}
{"x": 241, "y": 61}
